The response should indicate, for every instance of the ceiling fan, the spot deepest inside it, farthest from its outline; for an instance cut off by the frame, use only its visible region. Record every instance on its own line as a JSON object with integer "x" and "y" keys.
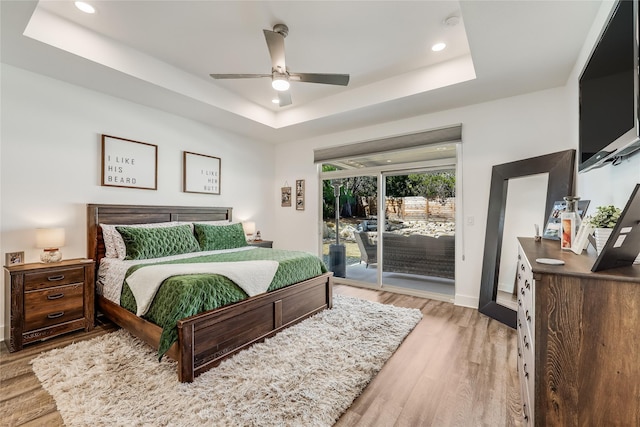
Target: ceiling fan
{"x": 280, "y": 75}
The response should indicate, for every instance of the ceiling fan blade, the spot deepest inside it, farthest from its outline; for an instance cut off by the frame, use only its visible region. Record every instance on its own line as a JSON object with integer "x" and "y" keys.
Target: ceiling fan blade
{"x": 284, "y": 98}
{"x": 275, "y": 43}
{"x": 328, "y": 79}
{"x": 238, "y": 76}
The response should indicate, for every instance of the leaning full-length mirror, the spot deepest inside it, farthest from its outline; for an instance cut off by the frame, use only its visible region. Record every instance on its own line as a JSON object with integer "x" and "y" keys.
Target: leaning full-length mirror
{"x": 560, "y": 169}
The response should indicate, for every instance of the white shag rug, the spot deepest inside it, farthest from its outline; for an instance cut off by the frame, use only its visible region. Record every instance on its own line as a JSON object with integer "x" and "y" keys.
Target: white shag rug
{"x": 306, "y": 375}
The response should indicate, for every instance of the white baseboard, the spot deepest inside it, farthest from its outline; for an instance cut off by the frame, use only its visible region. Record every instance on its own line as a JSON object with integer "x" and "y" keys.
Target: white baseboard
{"x": 467, "y": 301}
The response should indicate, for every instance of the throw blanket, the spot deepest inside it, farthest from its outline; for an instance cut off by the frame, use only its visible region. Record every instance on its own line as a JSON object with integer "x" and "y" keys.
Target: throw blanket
{"x": 254, "y": 277}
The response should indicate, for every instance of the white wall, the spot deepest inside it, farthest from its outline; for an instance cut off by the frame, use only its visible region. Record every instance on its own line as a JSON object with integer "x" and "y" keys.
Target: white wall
{"x": 493, "y": 133}
{"x": 50, "y": 162}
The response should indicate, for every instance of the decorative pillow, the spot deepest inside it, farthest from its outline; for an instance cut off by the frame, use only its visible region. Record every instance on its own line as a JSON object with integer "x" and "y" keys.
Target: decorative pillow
{"x": 114, "y": 245}
{"x": 215, "y": 237}
{"x": 146, "y": 243}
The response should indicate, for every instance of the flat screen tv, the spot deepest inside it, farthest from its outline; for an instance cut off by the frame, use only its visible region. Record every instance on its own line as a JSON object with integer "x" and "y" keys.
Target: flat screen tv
{"x": 608, "y": 128}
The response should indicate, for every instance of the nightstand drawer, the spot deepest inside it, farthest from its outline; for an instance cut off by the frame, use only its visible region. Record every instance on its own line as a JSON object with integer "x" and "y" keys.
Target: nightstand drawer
{"x": 53, "y": 306}
{"x": 57, "y": 277}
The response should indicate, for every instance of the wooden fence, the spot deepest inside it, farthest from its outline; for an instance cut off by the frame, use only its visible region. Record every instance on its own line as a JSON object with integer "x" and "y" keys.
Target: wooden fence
{"x": 410, "y": 208}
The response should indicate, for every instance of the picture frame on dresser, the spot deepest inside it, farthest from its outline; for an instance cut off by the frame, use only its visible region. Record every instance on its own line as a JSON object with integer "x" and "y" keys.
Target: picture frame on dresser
{"x": 201, "y": 173}
{"x": 14, "y": 258}
{"x": 129, "y": 164}
{"x": 623, "y": 246}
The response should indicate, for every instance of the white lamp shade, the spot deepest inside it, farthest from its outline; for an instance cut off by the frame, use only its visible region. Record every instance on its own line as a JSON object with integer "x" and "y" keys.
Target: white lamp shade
{"x": 47, "y": 238}
{"x": 249, "y": 228}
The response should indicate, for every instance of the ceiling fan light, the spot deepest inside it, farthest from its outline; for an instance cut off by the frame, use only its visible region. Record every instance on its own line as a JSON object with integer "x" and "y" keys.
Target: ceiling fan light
{"x": 280, "y": 83}
{"x": 85, "y": 7}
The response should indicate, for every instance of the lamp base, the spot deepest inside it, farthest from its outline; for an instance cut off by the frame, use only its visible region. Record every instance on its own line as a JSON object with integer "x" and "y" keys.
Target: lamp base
{"x": 51, "y": 255}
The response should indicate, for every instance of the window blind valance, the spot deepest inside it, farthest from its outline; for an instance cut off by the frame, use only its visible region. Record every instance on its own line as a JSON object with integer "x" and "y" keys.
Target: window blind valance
{"x": 394, "y": 143}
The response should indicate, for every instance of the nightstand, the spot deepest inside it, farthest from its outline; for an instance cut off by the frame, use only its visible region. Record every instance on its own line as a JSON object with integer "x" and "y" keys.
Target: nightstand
{"x": 46, "y": 300}
{"x": 261, "y": 243}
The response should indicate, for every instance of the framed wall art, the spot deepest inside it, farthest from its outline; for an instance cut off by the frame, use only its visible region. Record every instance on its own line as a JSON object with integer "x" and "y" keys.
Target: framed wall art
{"x": 130, "y": 164}
{"x": 285, "y": 197}
{"x": 14, "y": 258}
{"x": 300, "y": 194}
{"x": 201, "y": 173}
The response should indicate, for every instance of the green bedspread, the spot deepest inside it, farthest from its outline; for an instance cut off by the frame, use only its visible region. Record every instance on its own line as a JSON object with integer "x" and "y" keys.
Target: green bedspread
{"x": 183, "y": 296}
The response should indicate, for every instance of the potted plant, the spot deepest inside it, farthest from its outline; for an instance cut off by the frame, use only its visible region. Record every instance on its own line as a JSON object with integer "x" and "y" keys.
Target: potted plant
{"x": 603, "y": 222}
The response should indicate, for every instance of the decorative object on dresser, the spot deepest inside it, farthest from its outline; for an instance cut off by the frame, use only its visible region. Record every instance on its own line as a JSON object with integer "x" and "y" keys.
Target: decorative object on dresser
{"x": 300, "y": 194}
{"x": 205, "y": 339}
{"x": 201, "y": 173}
{"x": 552, "y": 230}
{"x": 46, "y": 300}
{"x": 50, "y": 240}
{"x": 129, "y": 164}
{"x": 560, "y": 169}
{"x": 603, "y": 222}
{"x": 577, "y": 339}
{"x": 304, "y": 376}
{"x": 623, "y": 246}
{"x": 14, "y": 258}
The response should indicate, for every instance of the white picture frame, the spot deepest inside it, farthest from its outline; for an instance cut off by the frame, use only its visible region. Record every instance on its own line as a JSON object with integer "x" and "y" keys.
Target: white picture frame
{"x": 129, "y": 164}
{"x": 581, "y": 241}
{"x": 201, "y": 173}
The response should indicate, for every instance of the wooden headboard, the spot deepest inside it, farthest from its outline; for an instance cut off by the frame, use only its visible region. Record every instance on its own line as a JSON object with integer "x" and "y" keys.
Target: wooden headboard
{"x": 139, "y": 214}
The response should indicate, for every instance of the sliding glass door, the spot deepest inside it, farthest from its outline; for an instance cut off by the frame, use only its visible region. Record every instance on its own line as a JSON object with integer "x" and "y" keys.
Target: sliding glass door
{"x": 419, "y": 237}
{"x": 350, "y": 237}
{"x": 396, "y": 228}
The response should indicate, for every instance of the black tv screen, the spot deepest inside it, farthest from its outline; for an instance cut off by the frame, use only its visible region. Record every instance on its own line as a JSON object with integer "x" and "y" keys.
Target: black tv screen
{"x": 608, "y": 92}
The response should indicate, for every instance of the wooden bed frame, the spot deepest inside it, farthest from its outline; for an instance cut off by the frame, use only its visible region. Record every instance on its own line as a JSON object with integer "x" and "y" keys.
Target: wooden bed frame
{"x": 205, "y": 339}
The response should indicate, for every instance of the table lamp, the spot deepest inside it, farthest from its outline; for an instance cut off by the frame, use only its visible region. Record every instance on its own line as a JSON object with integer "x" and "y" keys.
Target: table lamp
{"x": 249, "y": 229}
{"x": 50, "y": 239}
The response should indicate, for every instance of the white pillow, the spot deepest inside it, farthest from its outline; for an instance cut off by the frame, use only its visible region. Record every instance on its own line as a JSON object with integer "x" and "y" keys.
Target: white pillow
{"x": 113, "y": 243}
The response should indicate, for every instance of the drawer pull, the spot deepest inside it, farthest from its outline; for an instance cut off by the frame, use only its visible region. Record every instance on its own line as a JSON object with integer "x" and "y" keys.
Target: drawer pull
{"x": 522, "y": 267}
{"x": 55, "y": 315}
{"x": 55, "y": 278}
{"x": 522, "y": 291}
{"x": 526, "y": 373}
{"x": 55, "y": 296}
{"x": 527, "y": 284}
{"x": 528, "y": 316}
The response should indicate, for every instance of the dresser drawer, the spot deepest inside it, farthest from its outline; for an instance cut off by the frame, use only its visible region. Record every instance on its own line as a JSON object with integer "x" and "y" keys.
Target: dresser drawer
{"x": 53, "y": 306}
{"x": 58, "y": 277}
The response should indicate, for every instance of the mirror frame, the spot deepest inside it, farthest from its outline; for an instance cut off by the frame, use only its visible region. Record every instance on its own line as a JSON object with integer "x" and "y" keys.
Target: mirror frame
{"x": 561, "y": 169}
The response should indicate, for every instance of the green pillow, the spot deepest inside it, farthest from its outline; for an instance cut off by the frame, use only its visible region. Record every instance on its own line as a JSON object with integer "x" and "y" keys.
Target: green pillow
{"x": 215, "y": 237}
{"x": 147, "y": 243}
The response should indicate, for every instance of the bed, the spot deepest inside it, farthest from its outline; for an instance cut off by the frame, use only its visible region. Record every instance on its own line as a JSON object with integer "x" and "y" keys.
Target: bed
{"x": 205, "y": 339}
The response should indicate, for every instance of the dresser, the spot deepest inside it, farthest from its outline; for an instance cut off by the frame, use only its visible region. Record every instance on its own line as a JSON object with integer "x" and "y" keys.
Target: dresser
{"x": 578, "y": 339}
{"x": 45, "y": 300}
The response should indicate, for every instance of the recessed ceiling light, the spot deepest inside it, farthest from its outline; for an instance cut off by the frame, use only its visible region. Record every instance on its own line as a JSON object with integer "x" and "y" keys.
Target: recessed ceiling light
{"x": 438, "y": 47}
{"x": 275, "y": 101}
{"x": 85, "y": 7}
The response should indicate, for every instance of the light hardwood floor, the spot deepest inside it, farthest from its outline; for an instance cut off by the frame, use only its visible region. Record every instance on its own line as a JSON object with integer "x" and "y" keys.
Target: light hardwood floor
{"x": 456, "y": 368}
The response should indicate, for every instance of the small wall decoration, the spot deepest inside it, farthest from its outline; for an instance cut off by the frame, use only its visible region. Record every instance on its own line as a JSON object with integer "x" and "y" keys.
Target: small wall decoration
{"x": 14, "y": 258}
{"x": 130, "y": 164}
{"x": 201, "y": 173}
{"x": 285, "y": 198}
{"x": 300, "y": 194}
